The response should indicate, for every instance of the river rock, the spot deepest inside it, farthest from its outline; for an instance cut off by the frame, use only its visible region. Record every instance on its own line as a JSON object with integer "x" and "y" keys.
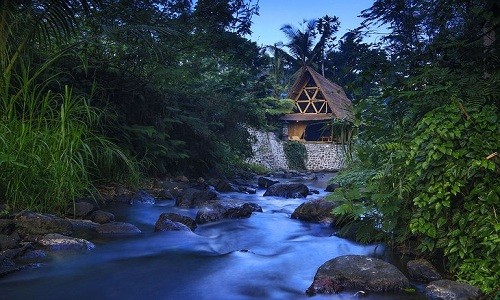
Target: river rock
{"x": 101, "y": 217}
{"x": 7, "y": 226}
{"x": 117, "y": 228}
{"x": 182, "y": 178}
{"x": 217, "y": 212}
{"x": 311, "y": 192}
{"x": 265, "y": 182}
{"x": 169, "y": 225}
{"x": 210, "y": 214}
{"x": 7, "y": 242}
{"x": 83, "y": 228}
{"x": 243, "y": 211}
{"x": 116, "y": 193}
{"x": 332, "y": 187}
{"x": 255, "y": 207}
{"x": 186, "y": 221}
{"x": 288, "y": 190}
{"x": 319, "y": 211}
{"x": 192, "y": 197}
{"x": 357, "y": 272}
{"x": 7, "y": 265}
{"x": 142, "y": 197}
{"x": 422, "y": 270}
{"x": 30, "y": 223}
{"x": 225, "y": 186}
{"x": 451, "y": 290}
{"x": 80, "y": 209}
{"x": 58, "y": 242}
{"x": 247, "y": 190}
{"x": 32, "y": 255}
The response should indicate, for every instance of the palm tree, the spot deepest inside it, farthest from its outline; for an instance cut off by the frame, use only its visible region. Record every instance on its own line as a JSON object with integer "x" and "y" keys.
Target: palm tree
{"x": 35, "y": 23}
{"x": 302, "y": 44}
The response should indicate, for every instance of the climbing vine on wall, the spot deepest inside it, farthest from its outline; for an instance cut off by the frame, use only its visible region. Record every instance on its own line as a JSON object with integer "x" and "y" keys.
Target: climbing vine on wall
{"x": 296, "y": 155}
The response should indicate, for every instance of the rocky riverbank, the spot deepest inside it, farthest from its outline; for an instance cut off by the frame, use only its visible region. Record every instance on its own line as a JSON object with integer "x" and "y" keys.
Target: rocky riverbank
{"x": 27, "y": 238}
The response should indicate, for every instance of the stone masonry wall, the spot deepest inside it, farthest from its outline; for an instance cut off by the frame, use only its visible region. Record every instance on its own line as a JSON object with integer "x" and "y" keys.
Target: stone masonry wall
{"x": 268, "y": 151}
{"x": 322, "y": 157}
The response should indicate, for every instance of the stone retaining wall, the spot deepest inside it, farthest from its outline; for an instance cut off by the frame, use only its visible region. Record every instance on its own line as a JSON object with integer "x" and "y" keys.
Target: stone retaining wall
{"x": 268, "y": 151}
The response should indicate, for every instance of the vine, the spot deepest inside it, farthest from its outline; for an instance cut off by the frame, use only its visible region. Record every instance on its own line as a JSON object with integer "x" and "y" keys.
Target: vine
{"x": 296, "y": 155}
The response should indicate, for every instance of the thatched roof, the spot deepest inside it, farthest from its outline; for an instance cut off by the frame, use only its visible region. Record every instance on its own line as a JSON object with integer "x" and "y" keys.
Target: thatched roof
{"x": 340, "y": 105}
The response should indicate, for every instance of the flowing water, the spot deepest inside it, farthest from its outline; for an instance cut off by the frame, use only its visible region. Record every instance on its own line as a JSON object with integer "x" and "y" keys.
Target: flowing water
{"x": 266, "y": 256}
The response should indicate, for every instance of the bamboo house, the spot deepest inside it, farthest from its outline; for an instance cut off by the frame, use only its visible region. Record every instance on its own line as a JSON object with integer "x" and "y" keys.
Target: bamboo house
{"x": 321, "y": 110}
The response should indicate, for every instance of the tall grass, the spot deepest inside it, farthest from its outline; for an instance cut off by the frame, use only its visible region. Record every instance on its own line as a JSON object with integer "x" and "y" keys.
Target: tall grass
{"x": 50, "y": 149}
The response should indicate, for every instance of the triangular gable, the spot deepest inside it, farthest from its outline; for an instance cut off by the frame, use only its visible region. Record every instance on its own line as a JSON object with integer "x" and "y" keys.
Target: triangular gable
{"x": 314, "y": 94}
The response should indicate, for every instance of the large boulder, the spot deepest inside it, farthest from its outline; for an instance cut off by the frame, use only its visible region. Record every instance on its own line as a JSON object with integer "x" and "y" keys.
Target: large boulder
{"x": 451, "y": 290}
{"x": 59, "y": 242}
{"x": 422, "y": 270}
{"x": 117, "y": 228}
{"x": 192, "y": 197}
{"x": 162, "y": 223}
{"x": 319, "y": 211}
{"x": 265, "y": 182}
{"x": 288, "y": 190}
{"x": 142, "y": 197}
{"x": 30, "y": 223}
{"x": 357, "y": 272}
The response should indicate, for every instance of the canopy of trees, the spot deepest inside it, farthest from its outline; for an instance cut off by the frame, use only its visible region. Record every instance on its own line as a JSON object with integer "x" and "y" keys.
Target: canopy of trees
{"x": 94, "y": 91}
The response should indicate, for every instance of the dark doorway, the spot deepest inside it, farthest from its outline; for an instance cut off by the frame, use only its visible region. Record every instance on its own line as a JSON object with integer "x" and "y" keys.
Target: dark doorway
{"x": 318, "y": 131}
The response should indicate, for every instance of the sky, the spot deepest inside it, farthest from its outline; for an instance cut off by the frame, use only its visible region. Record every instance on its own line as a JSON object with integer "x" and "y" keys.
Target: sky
{"x": 273, "y": 14}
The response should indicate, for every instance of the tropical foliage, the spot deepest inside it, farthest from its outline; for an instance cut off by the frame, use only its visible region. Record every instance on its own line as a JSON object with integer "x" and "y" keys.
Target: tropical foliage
{"x": 427, "y": 151}
{"x": 93, "y": 90}
{"x": 90, "y": 86}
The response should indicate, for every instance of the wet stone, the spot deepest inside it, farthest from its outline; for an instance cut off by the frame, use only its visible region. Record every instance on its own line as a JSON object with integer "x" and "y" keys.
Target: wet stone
{"x": 59, "y": 242}
{"x": 101, "y": 217}
{"x": 357, "y": 272}
{"x": 288, "y": 190}
{"x": 142, "y": 197}
{"x": 7, "y": 242}
{"x": 451, "y": 290}
{"x": 187, "y": 221}
{"x": 422, "y": 270}
{"x": 117, "y": 228}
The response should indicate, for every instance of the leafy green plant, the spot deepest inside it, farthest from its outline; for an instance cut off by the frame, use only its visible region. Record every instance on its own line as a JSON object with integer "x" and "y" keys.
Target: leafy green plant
{"x": 51, "y": 152}
{"x": 296, "y": 155}
{"x": 455, "y": 174}
{"x": 257, "y": 168}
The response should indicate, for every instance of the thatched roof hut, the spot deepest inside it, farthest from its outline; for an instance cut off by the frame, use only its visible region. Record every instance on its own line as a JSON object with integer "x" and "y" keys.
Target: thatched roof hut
{"x": 317, "y": 101}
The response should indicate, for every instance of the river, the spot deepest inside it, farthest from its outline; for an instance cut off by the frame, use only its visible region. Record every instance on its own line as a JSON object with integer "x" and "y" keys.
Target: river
{"x": 266, "y": 256}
